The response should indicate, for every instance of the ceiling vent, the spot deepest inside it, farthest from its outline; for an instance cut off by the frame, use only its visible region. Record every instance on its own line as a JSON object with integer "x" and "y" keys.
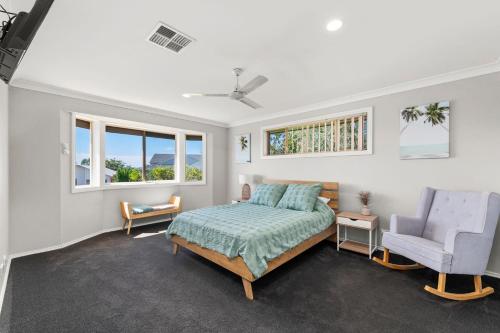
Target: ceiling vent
{"x": 170, "y": 38}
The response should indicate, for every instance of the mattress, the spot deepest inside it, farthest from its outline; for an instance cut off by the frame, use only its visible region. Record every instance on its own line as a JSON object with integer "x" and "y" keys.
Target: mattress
{"x": 257, "y": 233}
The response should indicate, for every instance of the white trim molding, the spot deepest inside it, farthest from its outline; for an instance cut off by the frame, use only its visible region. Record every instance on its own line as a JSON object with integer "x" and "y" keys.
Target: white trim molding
{"x": 66, "y": 244}
{"x": 59, "y": 91}
{"x": 456, "y": 75}
{"x": 5, "y": 278}
{"x": 389, "y": 90}
{"x": 53, "y": 248}
{"x": 78, "y": 240}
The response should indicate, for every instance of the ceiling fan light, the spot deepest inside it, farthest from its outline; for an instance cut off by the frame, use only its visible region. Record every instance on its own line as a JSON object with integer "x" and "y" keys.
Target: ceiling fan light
{"x": 334, "y": 25}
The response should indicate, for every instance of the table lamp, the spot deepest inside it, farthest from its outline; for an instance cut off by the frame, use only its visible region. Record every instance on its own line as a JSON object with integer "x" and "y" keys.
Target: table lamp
{"x": 245, "y": 180}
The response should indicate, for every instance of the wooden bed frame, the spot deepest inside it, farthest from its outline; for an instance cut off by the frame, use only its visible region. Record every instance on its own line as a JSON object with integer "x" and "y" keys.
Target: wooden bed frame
{"x": 238, "y": 266}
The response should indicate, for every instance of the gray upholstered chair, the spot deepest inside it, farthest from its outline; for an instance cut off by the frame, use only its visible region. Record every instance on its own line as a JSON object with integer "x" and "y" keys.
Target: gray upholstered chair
{"x": 452, "y": 233}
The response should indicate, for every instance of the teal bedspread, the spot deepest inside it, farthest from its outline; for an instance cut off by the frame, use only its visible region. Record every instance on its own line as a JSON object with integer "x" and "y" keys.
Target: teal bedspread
{"x": 257, "y": 233}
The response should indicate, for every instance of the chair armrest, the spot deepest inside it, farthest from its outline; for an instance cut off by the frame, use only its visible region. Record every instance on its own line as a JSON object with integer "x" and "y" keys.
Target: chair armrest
{"x": 470, "y": 250}
{"x": 407, "y": 225}
{"x": 464, "y": 239}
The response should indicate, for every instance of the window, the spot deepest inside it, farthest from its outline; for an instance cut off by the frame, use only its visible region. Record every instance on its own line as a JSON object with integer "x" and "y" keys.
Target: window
{"x": 160, "y": 156}
{"x": 339, "y": 134}
{"x": 124, "y": 151}
{"x": 135, "y": 156}
{"x": 83, "y": 153}
{"x": 112, "y": 153}
{"x": 194, "y": 158}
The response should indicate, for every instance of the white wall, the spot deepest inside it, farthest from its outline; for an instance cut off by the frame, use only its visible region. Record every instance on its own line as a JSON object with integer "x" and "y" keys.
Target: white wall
{"x": 4, "y": 179}
{"x": 474, "y": 163}
{"x": 44, "y": 212}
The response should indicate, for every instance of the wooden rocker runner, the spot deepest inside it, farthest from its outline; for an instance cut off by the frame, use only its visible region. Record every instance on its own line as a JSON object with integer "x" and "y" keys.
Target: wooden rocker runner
{"x": 452, "y": 233}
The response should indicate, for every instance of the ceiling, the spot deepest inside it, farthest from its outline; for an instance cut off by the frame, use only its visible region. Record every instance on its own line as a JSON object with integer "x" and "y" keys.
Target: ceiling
{"x": 99, "y": 48}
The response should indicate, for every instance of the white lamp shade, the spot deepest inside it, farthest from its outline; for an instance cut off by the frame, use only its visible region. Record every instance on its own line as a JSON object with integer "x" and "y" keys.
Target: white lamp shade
{"x": 246, "y": 179}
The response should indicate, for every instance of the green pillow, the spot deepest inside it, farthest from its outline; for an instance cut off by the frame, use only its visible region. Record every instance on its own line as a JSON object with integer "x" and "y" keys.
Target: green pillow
{"x": 267, "y": 194}
{"x": 300, "y": 197}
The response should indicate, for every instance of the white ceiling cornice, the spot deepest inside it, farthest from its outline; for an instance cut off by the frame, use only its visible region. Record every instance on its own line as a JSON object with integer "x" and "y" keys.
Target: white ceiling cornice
{"x": 397, "y": 88}
{"x": 42, "y": 87}
{"x": 394, "y": 89}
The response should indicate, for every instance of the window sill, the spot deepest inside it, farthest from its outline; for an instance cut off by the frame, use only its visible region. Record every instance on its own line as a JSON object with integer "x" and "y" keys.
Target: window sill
{"x": 325, "y": 154}
{"x": 126, "y": 186}
{"x": 118, "y": 186}
{"x": 83, "y": 189}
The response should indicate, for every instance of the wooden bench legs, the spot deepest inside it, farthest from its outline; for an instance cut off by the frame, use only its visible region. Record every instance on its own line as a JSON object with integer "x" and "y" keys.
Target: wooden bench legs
{"x": 247, "y": 285}
{"x": 125, "y": 221}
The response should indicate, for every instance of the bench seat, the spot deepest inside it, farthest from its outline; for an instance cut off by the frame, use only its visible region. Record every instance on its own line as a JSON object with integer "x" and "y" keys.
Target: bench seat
{"x": 132, "y": 212}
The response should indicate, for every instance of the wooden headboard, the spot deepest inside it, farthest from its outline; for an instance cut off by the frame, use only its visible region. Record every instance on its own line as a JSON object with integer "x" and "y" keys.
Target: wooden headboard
{"x": 330, "y": 189}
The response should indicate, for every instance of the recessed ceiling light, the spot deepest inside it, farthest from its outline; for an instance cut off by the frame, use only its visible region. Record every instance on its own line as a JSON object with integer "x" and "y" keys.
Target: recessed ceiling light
{"x": 334, "y": 25}
{"x": 186, "y": 95}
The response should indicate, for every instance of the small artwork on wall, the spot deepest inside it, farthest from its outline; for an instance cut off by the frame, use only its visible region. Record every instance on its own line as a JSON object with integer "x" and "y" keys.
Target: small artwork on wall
{"x": 425, "y": 131}
{"x": 242, "y": 146}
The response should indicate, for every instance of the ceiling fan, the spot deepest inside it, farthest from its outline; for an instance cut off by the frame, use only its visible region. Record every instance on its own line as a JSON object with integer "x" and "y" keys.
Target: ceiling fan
{"x": 239, "y": 93}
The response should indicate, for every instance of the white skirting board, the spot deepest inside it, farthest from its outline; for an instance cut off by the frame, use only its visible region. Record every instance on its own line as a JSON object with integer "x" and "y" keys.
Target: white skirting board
{"x": 52, "y": 248}
{"x": 6, "y": 270}
{"x": 63, "y": 245}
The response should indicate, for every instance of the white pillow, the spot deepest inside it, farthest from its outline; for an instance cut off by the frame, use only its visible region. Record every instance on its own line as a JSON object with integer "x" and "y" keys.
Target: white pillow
{"x": 325, "y": 200}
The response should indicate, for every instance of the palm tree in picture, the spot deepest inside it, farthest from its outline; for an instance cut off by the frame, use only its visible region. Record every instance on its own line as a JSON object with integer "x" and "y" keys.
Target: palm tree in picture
{"x": 436, "y": 114}
{"x": 409, "y": 115}
{"x": 243, "y": 142}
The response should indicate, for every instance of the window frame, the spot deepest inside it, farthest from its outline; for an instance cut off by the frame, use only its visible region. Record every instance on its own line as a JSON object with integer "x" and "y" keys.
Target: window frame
{"x": 94, "y": 150}
{"x": 203, "y": 156}
{"x": 98, "y": 153}
{"x": 369, "y": 135}
{"x": 144, "y": 144}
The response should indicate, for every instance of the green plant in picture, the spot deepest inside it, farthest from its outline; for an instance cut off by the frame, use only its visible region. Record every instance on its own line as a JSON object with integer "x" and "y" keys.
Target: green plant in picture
{"x": 85, "y": 161}
{"x": 193, "y": 174}
{"x": 436, "y": 114}
{"x": 243, "y": 142}
{"x": 161, "y": 173}
{"x": 409, "y": 115}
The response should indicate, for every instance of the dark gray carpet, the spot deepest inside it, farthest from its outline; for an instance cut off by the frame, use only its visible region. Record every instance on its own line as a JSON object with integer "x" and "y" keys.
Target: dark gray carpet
{"x": 113, "y": 283}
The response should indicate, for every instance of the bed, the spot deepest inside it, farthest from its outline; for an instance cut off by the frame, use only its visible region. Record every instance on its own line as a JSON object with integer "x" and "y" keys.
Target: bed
{"x": 252, "y": 240}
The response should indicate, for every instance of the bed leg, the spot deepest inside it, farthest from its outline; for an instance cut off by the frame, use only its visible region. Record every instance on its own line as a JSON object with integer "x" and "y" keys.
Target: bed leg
{"x": 175, "y": 248}
{"x": 129, "y": 226}
{"x": 247, "y": 285}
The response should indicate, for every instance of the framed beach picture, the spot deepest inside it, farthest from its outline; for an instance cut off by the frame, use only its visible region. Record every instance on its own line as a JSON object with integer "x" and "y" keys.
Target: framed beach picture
{"x": 425, "y": 131}
{"x": 242, "y": 148}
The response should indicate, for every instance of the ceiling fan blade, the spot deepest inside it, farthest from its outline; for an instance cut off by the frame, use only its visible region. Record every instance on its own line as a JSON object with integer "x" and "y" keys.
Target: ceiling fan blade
{"x": 250, "y": 103}
{"x": 254, "y": 84}
{"x": 204, "y": 95}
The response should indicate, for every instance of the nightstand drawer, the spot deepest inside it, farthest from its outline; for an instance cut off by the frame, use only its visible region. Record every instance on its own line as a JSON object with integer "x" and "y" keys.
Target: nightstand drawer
{"x": 354, "y": 223}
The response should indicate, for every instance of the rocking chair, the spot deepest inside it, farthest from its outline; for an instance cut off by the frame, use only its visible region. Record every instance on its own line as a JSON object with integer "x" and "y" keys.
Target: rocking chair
{"x": 451, "y": 234}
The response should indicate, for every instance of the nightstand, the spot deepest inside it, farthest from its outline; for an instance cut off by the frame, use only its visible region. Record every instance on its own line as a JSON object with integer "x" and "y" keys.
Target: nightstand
{"x": 358, "y": 221}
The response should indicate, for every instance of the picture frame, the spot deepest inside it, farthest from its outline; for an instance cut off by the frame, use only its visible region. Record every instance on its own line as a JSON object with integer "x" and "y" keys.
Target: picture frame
{"x": 243, "y": 148}
{"x": 424, "y": 131}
